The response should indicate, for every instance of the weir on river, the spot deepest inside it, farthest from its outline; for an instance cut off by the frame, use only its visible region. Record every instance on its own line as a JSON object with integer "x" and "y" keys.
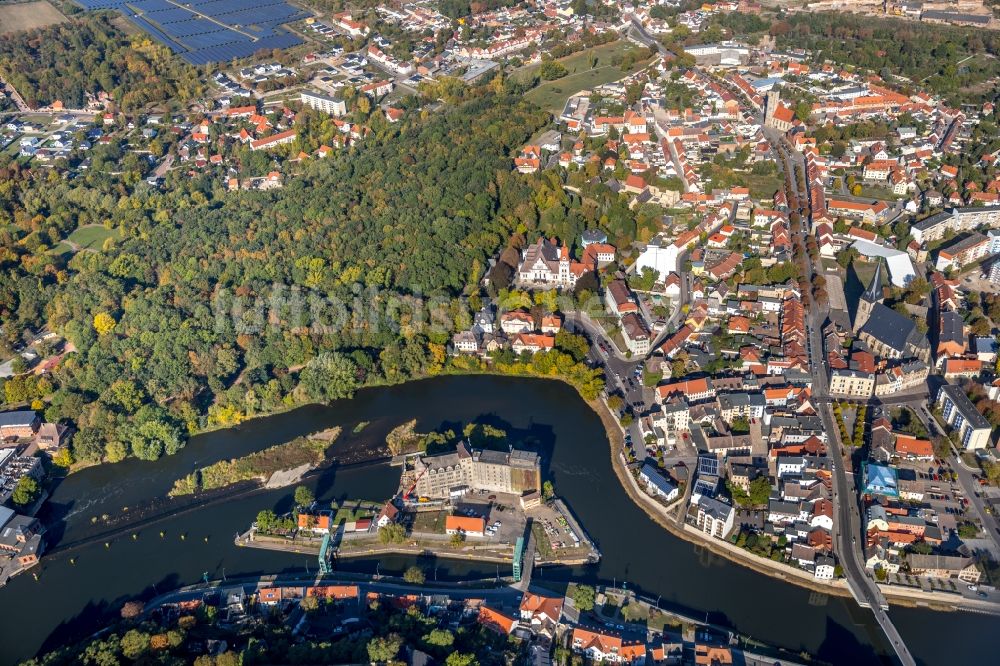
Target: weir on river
{"x": 76, "y": 592}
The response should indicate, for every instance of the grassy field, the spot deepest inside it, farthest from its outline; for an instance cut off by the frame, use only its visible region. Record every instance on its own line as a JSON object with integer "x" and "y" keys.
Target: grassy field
{"x": 28, "y": 16}
{"x": 62, "y": 248}
{"x": 580, "y": 61}
{"x": 352, "y": 513}
{"x": 763, "y": 186}
{"x": 429, "y": 522}
{"x": 552, "y": 95}
{"x": 90, "y": 237}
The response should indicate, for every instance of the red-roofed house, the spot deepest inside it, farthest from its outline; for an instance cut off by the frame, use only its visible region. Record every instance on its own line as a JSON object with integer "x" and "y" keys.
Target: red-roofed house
{"x": 538, "y": 609}
{"x": 601, "y": 645}
{"x": 496, "y": 620}
{"x": 913, "y": 448}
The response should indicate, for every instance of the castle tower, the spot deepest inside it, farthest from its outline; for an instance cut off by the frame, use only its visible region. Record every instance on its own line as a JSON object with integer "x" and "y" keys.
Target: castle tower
{"x": 872, "y": 295}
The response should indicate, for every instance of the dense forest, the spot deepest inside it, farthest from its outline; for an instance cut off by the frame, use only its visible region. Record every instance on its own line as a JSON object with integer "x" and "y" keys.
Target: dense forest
{"x": 89, "y": 54}
{"x": 211, "y": 307}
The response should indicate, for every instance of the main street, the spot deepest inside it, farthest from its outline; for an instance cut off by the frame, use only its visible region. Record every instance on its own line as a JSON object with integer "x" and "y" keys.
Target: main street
{"x": 846, "y": 506}
{"x": 845, "y": 501}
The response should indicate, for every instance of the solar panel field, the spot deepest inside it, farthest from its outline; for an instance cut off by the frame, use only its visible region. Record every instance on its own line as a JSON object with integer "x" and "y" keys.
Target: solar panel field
{"x": 208, "y": 31}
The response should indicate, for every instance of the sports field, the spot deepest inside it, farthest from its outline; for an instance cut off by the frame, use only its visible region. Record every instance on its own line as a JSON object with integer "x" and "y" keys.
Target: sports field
{"x": 28, "y": 15}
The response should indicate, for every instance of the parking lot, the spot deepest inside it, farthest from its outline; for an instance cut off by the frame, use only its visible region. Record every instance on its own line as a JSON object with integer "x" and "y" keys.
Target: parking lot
{"x": 505, "y": 521}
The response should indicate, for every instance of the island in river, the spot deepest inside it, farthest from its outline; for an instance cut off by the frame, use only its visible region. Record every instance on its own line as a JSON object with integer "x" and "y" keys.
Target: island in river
{"x": 81, "y": 582}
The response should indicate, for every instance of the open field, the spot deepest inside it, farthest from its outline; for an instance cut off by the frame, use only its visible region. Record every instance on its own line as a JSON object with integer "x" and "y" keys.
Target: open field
{"x": 28, "y": 16}
{"x": 429, "y": 522}
{"x": 763, "y": 186}
{"x": 580, "y": 61}
{"x": 552, "y": 95}
{"x": 90, "y": 237}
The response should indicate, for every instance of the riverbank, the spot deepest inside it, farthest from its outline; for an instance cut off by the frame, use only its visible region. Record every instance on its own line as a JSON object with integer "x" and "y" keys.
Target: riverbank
{"x": 900, "y": 596}
{"x": 77, "y": 592}
{"x": 661, "y": 516}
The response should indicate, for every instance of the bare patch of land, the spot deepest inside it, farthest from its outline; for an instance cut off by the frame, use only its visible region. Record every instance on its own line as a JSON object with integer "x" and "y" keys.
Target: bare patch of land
{"x": 28, "y": 16}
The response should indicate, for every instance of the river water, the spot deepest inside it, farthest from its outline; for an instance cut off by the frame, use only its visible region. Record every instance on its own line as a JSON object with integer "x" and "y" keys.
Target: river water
{"x": 78, "y": 588}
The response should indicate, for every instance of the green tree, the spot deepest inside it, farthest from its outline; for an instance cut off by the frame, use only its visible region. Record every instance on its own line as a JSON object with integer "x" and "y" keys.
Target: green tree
{"x": 115, "y": 451}
{"x": 414, "y": 575}
{"x": 383, "y": 649}
{"x": 392, "y": 533}
{"x": 266, "y": 520}
{"x": 26, "y": 491}
{"x": 134, "y": 643}
{"x": 304, "y": 496}
{"x": 440, "y": 638}
{"x": 329, "y": 377}
{"x": 583, "y": 597}
{"x": 551, "y": 70}
{"x": 574, "y": 345}
{"x": 461, "y": 659}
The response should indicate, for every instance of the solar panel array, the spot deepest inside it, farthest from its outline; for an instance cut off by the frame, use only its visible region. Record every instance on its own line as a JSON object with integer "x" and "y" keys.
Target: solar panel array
{"x": 207, "y": 31}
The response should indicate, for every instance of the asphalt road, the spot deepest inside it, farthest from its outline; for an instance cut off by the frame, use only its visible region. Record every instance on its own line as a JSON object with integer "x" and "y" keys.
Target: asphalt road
{"x": 250, "y": 586}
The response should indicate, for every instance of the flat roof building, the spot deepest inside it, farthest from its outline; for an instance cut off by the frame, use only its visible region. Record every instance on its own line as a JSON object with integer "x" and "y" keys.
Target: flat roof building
{"x": 972, "y": 428}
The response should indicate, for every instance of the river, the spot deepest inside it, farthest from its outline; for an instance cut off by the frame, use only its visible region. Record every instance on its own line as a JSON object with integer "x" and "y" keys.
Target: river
{"x": 71, "y": 598}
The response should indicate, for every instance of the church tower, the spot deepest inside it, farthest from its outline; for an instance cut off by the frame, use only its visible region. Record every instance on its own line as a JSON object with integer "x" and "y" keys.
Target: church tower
{"x": 873, "y": 294}
{"x": 771, "y": 100}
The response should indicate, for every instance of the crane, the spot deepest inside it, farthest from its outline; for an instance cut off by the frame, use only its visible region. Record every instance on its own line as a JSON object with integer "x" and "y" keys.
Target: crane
{"x": 408, "y": 495}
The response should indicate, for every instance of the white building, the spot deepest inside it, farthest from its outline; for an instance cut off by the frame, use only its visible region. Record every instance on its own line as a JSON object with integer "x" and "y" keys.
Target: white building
{"x": 324, "y": 103}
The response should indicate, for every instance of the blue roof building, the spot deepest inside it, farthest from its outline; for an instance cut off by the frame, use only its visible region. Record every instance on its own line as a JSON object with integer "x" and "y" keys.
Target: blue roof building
{"x": 657, "y": 483}
{"x": 881, "y": 480}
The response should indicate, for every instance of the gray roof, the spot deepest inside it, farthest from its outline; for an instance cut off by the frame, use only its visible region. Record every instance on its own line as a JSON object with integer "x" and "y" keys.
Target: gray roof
{"x": 948, "y": 562}
{"x": 787, "y": 508}
{"x": 23, "y": 417}
{"x": 932, "y": 221}
{"x": 715, "y": 508}
{"x": 891, "y": 328}
{"x": 951, "y": 327}
{"x": 979, "y": 19}
{"x": 964, "y": 243}
{"x": 965, "y": 406}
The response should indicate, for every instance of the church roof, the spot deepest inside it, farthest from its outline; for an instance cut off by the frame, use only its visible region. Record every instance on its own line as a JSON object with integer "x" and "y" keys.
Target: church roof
{"x": 874, "y": 294}
{"x": 891, "y": 328}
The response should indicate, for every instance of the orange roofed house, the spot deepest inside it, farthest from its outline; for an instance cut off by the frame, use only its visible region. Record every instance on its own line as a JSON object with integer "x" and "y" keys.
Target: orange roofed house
{"x": 469, "y": 525}
{"x": 538, "y": 609}
{"x": 706, "y": 655}
{"x": 496, "y": 620}
{"x": 334, "y": 592}
{"x": 599, "y": 645}
{"x": 314, "y": 523}
{"x": 913, "y": 448}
